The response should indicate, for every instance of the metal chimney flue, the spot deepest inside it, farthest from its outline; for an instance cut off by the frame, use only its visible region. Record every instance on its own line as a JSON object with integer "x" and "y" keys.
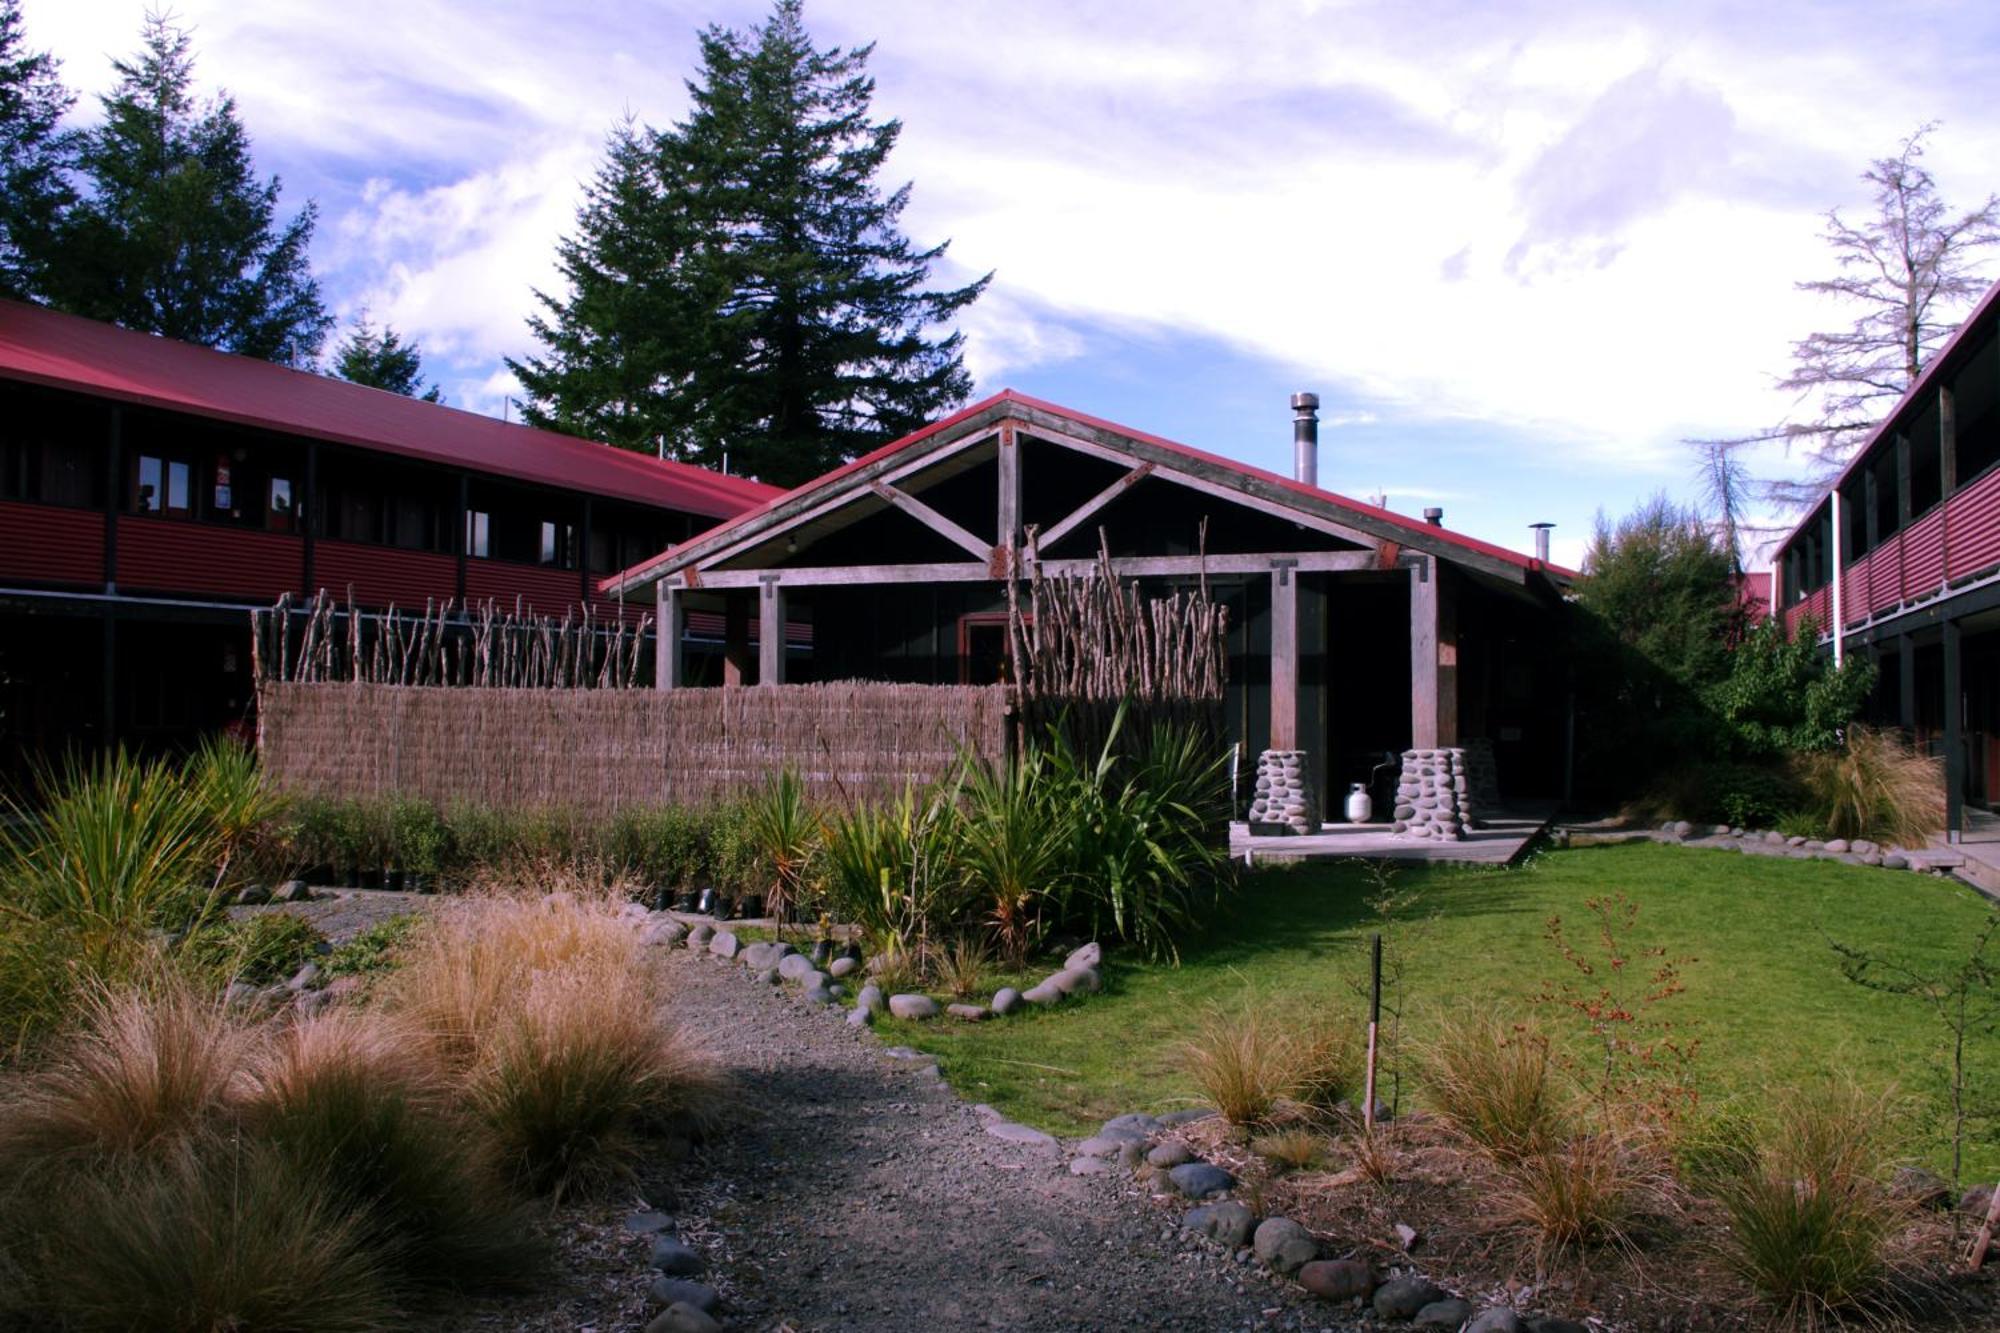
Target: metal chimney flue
{"x": 1305, "y": 438}
{"x": 1542, "y": 540}
{"x": 1434, "y": 516}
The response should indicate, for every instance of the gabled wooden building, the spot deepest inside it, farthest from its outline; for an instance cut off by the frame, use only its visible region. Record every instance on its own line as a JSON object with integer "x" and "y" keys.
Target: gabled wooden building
{"x": 1355, "y": 631}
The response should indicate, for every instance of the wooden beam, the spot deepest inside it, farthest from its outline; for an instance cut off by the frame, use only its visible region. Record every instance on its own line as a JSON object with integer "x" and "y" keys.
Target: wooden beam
{"x": 932, "y": 519}
{"x": 725, "y": 542}
{"x": 771, "y": 633}
{"x": 1145, "y": 566}
{"x": 1229, "y": 482}
{"x": 1090, "y": 508}
{"x": 1446, "y": 580}
{"x": 670, "y": 628}
{"x": 1284, "y": 656}
{"x": 1954, "y": 742}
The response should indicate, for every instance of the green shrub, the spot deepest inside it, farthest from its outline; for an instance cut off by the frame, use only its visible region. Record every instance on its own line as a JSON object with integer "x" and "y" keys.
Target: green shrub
{"x": 783, "y": 832}
{"x": 1016, "y": 844}
{"x": 373, "y": 950}
{"x": 1148, "y": 832}
{"x": 894, "y": 868}
{"x": 121, "y": 847}
{"x": 1810, "y": 1217}
{"x": 261, "y": 949}
{"x": 419, "y": 840}
{"x": 224, "y": 780}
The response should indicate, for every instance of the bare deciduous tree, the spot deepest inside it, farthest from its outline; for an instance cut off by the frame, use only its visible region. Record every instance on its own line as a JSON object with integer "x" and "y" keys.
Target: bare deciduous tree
{"x": 1910, "y": 270}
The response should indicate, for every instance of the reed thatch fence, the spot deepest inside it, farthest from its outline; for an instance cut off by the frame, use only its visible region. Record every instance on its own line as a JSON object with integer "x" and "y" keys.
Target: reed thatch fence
{"x": 598, "y": 751}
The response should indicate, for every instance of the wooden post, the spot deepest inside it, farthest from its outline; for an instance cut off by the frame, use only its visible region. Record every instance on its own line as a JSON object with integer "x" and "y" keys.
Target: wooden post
{"x": 1284, "y": 655}
{"x": 1374, "y": 1028}
{"x": 1009, "y": 524}
{"x": 114, "y": 495}
{"x": 735, "y": 638}
{"x": 1984, "y": 1240}
{"x": 1906, "y": 684}
{"x": 1902, "y": 514}
{"x": 771, "y": 632}
{"x": 1433, "y": 657}
{"x": 669, "y": 630}
{"x": 1954, "y": 740}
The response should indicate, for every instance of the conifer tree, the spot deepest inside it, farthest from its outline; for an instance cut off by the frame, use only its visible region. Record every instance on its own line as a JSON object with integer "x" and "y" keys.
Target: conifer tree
{"x": 380, "y": 359}
{"x": 174, "y": 233}
{"x": 740, "y": 285}
{"x": 622, "y": 344}
{"x": 34, "y": 192}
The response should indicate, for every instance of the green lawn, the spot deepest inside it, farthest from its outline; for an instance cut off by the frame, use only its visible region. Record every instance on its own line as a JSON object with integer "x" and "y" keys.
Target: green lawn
{"x": 1765, "y": 993}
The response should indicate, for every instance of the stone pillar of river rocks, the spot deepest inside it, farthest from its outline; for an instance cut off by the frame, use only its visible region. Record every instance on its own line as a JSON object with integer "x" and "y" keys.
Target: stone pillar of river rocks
{"x": 1284, "y": 800}
{"x": 1484, "y": 776}
{"x": 1433, "y": 799}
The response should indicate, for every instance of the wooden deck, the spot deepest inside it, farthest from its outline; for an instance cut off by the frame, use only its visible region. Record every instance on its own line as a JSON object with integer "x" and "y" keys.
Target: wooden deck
{"x": 1499, "y": 842}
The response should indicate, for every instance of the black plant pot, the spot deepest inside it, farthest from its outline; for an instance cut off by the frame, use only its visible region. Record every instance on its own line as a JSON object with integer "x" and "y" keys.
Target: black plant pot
{"x": 416, "y": 881}
{"x": 353, "y": 877}
{"x": 821, "y": 951}
{"x": 853, "y": 950}
{"x": 725, "y": 907}
{"x": 705, "y": 904}
{"x": 750, "y": 906}
{"x": 685, "y": 902}
{"x": 371, "y": 878}
{"x": 392, "y": 879}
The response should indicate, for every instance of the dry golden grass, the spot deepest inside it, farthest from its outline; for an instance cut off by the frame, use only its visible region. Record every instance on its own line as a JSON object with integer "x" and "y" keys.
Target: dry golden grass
{"x": 547, "y": 1011}
{"x": 1580, "y": 1190}
{"x": 140, "y": 1067}
{"x": 1257, "y": 1066}
{"x": 1878, "y": 786}
{"x": 1293, "y": 1149}
{"x": 1494, "y": 1083}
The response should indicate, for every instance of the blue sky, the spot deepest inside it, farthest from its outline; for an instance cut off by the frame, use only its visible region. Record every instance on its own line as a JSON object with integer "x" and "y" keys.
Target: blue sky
{"x": 1520, "y": 250}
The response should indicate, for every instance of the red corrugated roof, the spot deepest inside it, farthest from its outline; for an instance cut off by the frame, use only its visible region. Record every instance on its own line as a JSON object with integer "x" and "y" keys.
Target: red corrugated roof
{"x": 1422, "y": 533}
{"x": 44, "y": 347}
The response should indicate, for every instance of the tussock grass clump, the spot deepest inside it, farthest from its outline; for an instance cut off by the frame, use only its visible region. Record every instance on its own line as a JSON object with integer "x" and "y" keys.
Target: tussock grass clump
{"x": 1243, "y": 1062}
{"x": 546, "y": 1011}
{"x": 348, "y": 1096}
{"x": 1257, "y": 1066}
{"x": 1811, "y": 1220}
{"x": 1294, "y": 1149}
{"x": 1876, "y": 786}
{"x": 962, "y": 968}
{"x": 1579, "y": 1190}
{"x": 1492, "y": 1083}
{"x": 204, "y": 1236}
{"x": 141, "y": 1068}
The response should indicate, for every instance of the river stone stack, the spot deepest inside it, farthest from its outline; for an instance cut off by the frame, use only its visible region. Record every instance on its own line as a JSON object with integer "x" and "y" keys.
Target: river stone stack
{"x": 1483, "y": 774}
{"x": 1433, "y": 799}
{"x": 1284, "y": 799}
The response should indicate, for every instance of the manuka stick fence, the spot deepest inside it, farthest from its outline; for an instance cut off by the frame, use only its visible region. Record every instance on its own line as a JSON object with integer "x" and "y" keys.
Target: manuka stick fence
{"x": 599, "y": 751}
{"x": 1089, "y": 644}
{"x": 485, "y": 646}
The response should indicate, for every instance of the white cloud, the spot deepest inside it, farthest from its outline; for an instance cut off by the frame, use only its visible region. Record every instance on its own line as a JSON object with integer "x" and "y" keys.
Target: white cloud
{"x": 1579, "y": 225}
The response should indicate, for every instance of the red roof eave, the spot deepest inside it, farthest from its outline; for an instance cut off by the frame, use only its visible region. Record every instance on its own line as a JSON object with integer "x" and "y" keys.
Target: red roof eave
{"x": 45, "y": 347}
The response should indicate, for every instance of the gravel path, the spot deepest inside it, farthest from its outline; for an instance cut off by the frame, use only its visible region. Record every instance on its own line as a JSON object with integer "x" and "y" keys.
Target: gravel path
{"x": 858, "y": 1192}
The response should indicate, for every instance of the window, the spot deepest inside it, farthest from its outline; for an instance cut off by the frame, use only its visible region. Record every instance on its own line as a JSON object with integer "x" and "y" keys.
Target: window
{"x": 478, "y": 533}
{"x": 164, "y": 486}
{"x": 558, "y": 544}
{"x": 1926, "y": 482}
{"x": 279, "y": 516}
{"x": 1976, "y": 411}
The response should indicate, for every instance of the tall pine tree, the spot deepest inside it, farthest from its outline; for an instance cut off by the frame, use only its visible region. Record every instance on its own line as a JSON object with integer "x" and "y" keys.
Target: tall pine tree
{"x": 175, "y": 234}
{"x": 740, "y": 285}
{"x": 380, "y": 359}
{"x": 623, "y": 343}
{"x": 33, "y": 189}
